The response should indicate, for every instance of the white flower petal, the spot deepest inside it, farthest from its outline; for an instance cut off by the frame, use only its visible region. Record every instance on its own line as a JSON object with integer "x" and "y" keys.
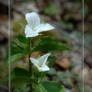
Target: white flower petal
{"x": 29, "y": 32}
{"x": 43, "y": 68}
{"x": 42, "y": 60}
{"x": 35, "y": 62}
{"x": 40, "y": 68}
{"x": 33, "y": 19}
{"x": 44, "y": 27}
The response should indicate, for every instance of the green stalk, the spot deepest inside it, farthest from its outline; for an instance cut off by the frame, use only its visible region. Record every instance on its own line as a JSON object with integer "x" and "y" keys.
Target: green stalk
{"x": 30, "y": 65}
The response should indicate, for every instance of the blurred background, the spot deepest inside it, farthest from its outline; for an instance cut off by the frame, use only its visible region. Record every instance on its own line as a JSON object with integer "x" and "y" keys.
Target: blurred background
{"x": 66, "y": 16}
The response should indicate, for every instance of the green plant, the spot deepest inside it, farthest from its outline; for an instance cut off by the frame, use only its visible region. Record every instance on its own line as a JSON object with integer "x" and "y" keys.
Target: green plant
{"x": 31, "y": 79}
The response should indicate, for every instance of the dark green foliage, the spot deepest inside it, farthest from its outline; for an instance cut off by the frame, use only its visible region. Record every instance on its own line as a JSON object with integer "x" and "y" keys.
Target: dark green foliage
{"x": 51, "y": 60}
{"x": 16, "y": 57}
{"x": 25, "y": 88}
{"x": 19, "y": 74}
{"x": 47, "y": 86}
{"x": 20, "y": 77}
{"x": 39, "y": 88}
{"x": 47, "y": 44}
{"x": 17, "y": 90}
{"x": 19, "y": 48}
{"x": 21, "y": 41}
{"x": 53, "y": 86}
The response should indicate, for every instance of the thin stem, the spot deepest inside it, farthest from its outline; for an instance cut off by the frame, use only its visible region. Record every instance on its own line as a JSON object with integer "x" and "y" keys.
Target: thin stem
{"x": 30, "y": 65}
{"x": 30, "y": 69}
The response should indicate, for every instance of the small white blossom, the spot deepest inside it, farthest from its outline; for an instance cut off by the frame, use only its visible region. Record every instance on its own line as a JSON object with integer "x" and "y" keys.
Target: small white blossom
{"x": 40, "y": 63}
{"x": 34, "y": 27}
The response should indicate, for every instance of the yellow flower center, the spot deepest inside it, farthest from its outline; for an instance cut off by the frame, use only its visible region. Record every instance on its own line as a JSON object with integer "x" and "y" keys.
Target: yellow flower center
{"x": 39, "y": 65}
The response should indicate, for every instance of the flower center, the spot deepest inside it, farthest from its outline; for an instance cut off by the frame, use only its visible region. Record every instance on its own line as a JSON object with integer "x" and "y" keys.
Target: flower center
{"x": 33, "y": 30}
{"x": 39, "y": 65}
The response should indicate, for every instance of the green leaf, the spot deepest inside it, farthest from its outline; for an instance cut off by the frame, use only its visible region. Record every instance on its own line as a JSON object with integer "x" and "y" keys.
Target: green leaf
{"x": 47, "y": 44}
{"x": 53, "y": 86}
{"x": 19, "y": 77}
{"x": 20, "y": 74}
{"x": 17, "y": 90}
{"x": 51, "y": 60}
{"x": 21, "y": 41}
{"x": 39, "y": 88}
{"x": 16, "y": 53}
{"x": 15, "y": 57}
{"x": 19, "y": 48}
{"x": 24, "y": 88}
{"x": 16, "y": 49}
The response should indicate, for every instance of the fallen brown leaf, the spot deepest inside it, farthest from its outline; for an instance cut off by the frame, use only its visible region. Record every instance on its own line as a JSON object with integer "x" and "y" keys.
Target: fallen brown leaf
{"x": 63, "y": 63}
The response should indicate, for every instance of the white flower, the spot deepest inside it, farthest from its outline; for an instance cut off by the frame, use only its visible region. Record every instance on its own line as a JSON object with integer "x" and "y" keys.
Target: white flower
{"x": 33, "y": 28}
{"x": 40, "y": 63}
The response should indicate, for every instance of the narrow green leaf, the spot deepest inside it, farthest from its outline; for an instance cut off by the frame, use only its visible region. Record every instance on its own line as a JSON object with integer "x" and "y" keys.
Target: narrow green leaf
{"x": 15, "y": 57}
{"x": 21, "y": 41}
{"x": 16, "y": 49}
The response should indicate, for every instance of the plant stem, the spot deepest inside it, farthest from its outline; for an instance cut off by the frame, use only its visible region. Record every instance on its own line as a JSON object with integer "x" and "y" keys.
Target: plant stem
{"x": 30, "y": 64}
{"x": 30, "y": 67}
